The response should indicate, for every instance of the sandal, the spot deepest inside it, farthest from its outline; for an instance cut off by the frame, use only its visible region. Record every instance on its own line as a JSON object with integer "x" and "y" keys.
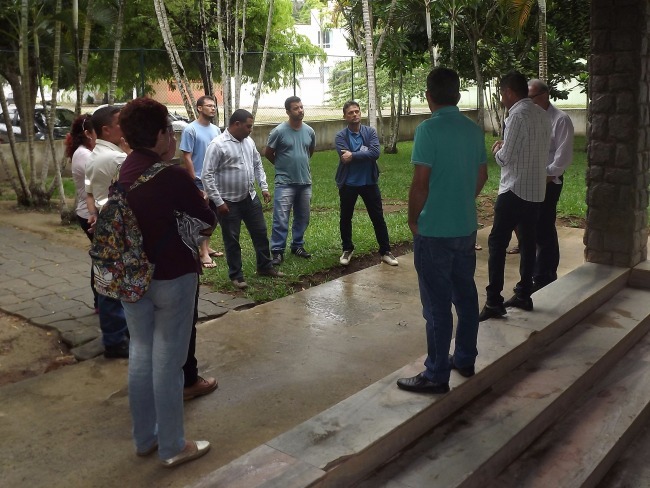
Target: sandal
{"x": 215, "y": 254}
{"x": 478, "y": 247}
{"x": 208, "y": 264}
{"x": 513, "y": 250}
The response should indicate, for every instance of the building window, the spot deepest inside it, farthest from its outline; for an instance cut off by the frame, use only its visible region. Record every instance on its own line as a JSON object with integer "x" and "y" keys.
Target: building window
{"x": 324, "y": 38}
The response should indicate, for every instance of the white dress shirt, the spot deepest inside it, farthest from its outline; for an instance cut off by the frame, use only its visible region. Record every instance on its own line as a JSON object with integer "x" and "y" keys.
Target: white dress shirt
{"x": 525, "y": 150}
{"x": 560, "y": 154}
{"x": 231, "y": 168}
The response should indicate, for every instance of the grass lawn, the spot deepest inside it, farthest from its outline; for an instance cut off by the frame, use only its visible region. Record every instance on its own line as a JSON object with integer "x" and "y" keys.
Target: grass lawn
{"x": 323, "y": 239}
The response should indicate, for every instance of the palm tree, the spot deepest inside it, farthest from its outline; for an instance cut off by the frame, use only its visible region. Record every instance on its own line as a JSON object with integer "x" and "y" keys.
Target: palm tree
{"x": 119, "y": 27}
{"x": 519, "y": 11}
{"x": 370, "y": 65}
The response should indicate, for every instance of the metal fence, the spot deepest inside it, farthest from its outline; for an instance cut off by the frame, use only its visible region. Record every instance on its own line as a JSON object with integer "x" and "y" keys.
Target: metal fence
{"x": 323, "y": 83}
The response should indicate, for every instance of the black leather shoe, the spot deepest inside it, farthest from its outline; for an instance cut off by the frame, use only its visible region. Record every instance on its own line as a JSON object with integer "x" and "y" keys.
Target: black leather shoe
{"x": 278, "y": 257}
{"x": 420, "y": 384}
{"x": 466, "y": 371}
{"x": 492, "y": 312}
{"x": 520, "y": 302}
{"x": 117, "y": 351}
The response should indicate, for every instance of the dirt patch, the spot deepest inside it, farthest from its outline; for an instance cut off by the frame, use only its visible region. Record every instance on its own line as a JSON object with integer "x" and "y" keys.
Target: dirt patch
{"x": 27, "y": 350}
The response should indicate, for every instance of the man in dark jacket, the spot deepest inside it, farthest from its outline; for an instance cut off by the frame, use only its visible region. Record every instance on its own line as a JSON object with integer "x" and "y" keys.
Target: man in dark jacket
{"x": 358, "y": 175}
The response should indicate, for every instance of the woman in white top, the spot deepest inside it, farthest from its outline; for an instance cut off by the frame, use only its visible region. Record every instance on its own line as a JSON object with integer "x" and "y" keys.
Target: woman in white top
{"x": 79, "y": 144}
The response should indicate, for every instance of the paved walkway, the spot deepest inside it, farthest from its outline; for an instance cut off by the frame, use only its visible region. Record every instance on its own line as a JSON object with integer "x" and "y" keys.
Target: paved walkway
{"x": 49, "y": 285}
{"x": 278, "y": 364}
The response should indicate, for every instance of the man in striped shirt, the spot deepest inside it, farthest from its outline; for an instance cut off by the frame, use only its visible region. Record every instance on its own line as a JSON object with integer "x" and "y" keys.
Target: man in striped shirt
{"x": 231, "y": 167}
{"x": 522, "y": 155}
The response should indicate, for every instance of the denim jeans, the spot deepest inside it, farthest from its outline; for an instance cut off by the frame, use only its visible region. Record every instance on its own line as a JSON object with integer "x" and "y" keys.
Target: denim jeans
{"x": 250, "y": 211}
{"x": 285, "y": 197}
{"x": 111, "y": 321}
{"x": 548, "y": 248}
{"x": 445, "y": 267}
{"x": 160, "y": 324}
{"x": 511, "y": 212}
{"x": 371, "y": 197}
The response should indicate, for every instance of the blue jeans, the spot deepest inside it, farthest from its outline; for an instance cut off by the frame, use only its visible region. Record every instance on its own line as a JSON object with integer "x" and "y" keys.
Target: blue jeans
{"x": 111, "y": 320}
{"x": 160, "y": 324}
{"x": 250, "y": 211}
{"x": 445, "y": 267}
{"x": 286, "y": 196}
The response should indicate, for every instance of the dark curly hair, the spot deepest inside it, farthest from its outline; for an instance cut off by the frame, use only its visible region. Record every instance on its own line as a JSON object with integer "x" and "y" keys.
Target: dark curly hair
{"x": 77, "y": 136}
{"x": 141, "y": 121}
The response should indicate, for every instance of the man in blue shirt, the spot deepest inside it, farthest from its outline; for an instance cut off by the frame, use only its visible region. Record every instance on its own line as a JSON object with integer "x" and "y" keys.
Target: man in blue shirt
{"x": 450, "y": 169}
{"x": 358, "y": 175}
{"x": 194, "y": 141}
{"x": 289, "y": 148}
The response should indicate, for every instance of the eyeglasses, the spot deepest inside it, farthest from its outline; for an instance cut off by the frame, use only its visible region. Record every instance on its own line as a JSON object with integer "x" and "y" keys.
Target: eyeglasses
{"x": 209, "y": 106}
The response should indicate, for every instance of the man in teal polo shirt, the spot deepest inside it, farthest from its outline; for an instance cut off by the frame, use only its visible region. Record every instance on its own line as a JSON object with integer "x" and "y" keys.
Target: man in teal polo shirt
{"x": 450, "y": 169}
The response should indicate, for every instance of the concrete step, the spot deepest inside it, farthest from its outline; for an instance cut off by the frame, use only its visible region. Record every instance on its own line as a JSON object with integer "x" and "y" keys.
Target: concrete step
{"x": 581, "y": 448}
{"x": 342, "y": 444}
{"x": 478, "y": 442}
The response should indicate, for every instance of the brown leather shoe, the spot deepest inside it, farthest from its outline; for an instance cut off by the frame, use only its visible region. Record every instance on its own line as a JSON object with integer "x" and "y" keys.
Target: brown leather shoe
{"x": 203, "y": 386}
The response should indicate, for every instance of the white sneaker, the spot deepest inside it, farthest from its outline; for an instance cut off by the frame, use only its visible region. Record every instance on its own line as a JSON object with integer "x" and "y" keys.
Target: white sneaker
{"x": 346, "y": 257}
{"x": 388, "y": 258}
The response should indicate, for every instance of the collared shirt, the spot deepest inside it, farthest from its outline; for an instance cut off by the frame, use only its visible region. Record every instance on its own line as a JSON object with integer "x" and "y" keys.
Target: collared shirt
{"x": 524, "y": 153}
{"x": 231, "y": 168}
{"x": 102, "y": 168}
{"x": 560, "y": 154}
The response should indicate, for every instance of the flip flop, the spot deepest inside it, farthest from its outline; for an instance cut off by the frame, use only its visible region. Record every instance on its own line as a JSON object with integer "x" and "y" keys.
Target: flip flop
{"x": 513, "y": 250}
{"x": 209, "y": 265}
{"x": 215, "y": 254}
{"x": 478, "y": 247}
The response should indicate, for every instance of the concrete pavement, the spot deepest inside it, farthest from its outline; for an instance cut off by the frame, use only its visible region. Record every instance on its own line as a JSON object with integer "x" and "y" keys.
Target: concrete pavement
{"x": 49, "y": 285}
{"x": 278, "y": 364}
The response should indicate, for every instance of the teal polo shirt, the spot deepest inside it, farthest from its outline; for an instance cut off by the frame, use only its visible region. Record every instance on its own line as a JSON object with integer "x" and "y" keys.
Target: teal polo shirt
{"x": 454, "y": 148}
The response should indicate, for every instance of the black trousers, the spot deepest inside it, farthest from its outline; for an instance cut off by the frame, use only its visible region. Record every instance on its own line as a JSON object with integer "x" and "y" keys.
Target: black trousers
{"x": 371, "y": 197}
{"x": 511, "y": 212}
{"x": 190, "y": 368}
{"x": 548, "y": 248}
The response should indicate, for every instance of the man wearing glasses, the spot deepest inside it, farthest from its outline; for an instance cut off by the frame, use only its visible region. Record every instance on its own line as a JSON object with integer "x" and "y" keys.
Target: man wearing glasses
{"x": 559, "y": 158}
{"x": 194, "y": 141}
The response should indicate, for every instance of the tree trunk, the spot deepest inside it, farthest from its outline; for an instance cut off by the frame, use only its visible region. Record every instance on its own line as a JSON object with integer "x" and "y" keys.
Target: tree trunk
{"x": 265, "y": 51}
{"x": 224, "y": 60}
{"x": 27, "y": 115}
{"x": 177, "y": 67}
{"x": 83, "y": 63}
{"x": 543, "y": 49}
{"x": 427, "y": 9}
{"x": 208, "y": 85}
{"x": 239, "y": 48}
{"x": 119, "y": 27}
{"x": 370, "y": 66}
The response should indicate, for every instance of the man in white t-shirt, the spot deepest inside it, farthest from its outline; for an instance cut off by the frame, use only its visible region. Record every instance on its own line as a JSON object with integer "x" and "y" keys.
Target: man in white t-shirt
{"x": 194, "y": 141}
{"x": 103, "y": 166}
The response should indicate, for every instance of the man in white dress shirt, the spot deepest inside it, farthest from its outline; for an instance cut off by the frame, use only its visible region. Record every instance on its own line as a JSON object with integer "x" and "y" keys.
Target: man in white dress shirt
{"x": 231, "y": 167}
{"x": 522, "y": 155}
{"x": 560, "y": 156}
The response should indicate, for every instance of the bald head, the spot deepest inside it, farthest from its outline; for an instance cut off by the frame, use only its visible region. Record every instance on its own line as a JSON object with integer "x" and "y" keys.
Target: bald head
{"x": 538, "y": 92}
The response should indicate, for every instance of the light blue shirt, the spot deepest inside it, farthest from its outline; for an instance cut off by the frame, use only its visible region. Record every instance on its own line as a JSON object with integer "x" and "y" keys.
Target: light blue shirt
{"x": 292, "y": 151}
{"x": 195, "y": 140}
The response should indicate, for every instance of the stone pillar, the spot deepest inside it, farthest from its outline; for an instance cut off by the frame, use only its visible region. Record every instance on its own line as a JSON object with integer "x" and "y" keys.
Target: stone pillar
{"x": 619, "y": 133}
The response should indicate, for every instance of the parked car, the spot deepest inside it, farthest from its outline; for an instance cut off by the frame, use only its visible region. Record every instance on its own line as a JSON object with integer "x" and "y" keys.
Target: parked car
{"x": 178, "y": 121}
{"x": 62, "y": 123}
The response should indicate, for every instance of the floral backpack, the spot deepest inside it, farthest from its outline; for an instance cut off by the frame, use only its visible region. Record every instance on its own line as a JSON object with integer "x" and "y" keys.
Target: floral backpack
{"x": 122, "y": 270}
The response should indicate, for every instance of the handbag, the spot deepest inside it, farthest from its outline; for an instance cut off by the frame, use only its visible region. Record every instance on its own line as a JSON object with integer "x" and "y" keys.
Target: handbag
{"x": 190, "y": 229}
